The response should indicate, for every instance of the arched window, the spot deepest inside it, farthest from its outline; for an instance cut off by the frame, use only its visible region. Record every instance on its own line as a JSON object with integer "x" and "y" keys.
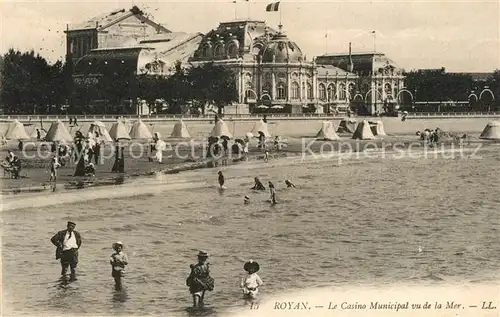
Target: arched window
{"x": 322, "y": 92}
{"x": 331, "y": 91}
{"x": 342, "y": 92}
{"x": 250, "y": 94}
{"x": 281, "y": 91}
{"x": 257, "y": 48}
{"x": 309, "y": 92}
{"x": 207, "y": 51}
{"x": 295, "y": 91}
{"x": 352, "y": 90}
{"x": 267, "y": 88}
{"x": 232, "y": 50}
{"x": 219, "y": 50}
{"x": 388, "y": 90}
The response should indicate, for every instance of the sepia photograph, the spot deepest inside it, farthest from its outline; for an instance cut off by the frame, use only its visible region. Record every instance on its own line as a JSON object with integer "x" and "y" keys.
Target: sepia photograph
{"x": 250, "y": 158}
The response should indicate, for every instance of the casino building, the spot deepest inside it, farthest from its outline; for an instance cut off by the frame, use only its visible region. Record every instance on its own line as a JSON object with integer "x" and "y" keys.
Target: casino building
{"x": 270, "y": 68}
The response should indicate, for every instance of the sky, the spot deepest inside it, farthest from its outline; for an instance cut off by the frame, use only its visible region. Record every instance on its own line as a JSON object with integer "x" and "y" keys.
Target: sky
{"x": 462, "y": 36}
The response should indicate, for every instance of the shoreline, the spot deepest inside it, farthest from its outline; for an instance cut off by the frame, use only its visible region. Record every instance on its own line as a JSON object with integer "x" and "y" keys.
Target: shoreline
{"x": 390, "y": 144}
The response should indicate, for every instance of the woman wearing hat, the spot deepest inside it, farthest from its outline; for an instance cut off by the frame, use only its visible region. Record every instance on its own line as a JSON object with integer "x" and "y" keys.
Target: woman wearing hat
{"x": 200, "y": 281}
{"x": 250, "y": 283}
{"x": 118, "y": 261}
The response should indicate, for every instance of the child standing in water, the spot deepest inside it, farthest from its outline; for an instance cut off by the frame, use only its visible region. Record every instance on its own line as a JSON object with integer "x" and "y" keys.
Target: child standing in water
{"x": 272, "y": 191}
{"x": 251, "y": 282}
{"x": 118, "y": 261}
{"x": 221, "y": 180}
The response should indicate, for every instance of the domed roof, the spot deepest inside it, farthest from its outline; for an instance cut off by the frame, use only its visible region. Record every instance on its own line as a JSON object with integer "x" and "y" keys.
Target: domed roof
{"x": 281, "y": 50}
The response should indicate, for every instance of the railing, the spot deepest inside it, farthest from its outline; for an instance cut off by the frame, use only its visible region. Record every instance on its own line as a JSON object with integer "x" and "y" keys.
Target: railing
{"x": 451, "y": 114}
{"x": 298, "y": 116}
{"x": 36, "y": 118}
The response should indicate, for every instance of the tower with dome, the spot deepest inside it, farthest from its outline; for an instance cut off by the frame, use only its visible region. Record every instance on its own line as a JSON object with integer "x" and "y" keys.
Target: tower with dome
{"x": 271, "y": 70}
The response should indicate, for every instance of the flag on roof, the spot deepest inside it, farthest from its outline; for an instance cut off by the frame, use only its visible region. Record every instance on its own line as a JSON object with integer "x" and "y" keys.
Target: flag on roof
{"x": 272, "y": 7}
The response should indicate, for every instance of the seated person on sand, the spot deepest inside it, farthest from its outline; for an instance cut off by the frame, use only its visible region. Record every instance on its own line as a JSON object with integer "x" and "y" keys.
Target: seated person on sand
{"x": 15, "y": 167}
{"x": 90, "y": 169}
{"x": 258, "y": 185}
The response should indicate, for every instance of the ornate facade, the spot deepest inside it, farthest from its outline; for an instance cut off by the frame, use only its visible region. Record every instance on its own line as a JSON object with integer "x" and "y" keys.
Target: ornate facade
{"x": 272, "y": 70}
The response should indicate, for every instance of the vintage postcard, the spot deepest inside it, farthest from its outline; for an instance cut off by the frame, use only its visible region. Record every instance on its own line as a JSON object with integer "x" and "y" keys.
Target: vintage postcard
{"x": 250, "y": 158}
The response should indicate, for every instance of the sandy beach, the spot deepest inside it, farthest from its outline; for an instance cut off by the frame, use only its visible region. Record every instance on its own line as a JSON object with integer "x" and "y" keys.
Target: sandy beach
{"x": 36, "y": 170}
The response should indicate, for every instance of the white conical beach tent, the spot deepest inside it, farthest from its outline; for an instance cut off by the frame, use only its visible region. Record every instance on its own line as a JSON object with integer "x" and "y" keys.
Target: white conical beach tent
{"x": 261, "y": 126}
{"x": 377, "y": 128}
{"x": 221, "y": 129}
{"x": 58, "y": 133}
{"x": 180, "y": 131}
{"x": 140, "y": 131}
{"x": 327, "y": 132}
{"x": 491, "y": 131}
{"x": 99, "y": 127}
{"x": 16, "y": 131}
{"x": 363, "y": 131}
{"x": 118, "y": 131}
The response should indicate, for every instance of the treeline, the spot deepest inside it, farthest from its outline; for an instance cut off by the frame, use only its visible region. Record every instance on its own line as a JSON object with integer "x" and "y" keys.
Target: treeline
{"x": 437, "y": 85}
{"x": 31, "y": 85}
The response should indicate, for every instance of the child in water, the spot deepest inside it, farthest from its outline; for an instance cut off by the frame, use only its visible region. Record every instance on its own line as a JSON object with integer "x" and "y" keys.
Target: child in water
{"x": 246, "y": 201}
{"x": 272, "y": 191}
{"x": 251, "y": 282}
{"x": 118, "y": 261}
{"x": 289, "y": 184}
{"x": 221, "y": 180}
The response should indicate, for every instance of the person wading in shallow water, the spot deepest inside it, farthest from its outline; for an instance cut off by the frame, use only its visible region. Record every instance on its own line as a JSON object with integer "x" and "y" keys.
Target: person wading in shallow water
{"x": 118, "y": 261}
{"x": 272, "y": 191}
{"x": 200, "y": 281}
{"x": 221, "y": 180}
{"x": 67, "y": 242}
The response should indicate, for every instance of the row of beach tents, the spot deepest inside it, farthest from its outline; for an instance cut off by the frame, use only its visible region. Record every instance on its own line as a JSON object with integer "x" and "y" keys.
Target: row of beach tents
{"x": 121, "y": 130}
{"x": 365, "y": 130}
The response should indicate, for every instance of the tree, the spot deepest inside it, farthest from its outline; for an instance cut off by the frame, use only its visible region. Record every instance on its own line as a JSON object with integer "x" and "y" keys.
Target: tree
{"x": 213, "y": 84}
{"x": 437, "y": 85}
{"x": 30, "y": 84}
{"x": 176, "y": 89}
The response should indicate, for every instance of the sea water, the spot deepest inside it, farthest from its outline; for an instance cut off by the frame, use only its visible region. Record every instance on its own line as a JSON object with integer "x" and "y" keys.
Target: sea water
{"x": 352, "y": 222}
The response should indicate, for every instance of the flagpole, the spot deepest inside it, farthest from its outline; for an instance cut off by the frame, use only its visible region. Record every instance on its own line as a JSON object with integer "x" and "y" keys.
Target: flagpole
{"x": 234, "y": 2}
{"x": 374, "y": 41}
{"x": 248, "y": 8}
{"x": 281, "y": 24}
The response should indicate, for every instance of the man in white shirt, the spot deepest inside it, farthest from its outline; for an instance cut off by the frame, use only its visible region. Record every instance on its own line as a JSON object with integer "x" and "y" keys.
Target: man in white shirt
{"x": 67, "y": 242}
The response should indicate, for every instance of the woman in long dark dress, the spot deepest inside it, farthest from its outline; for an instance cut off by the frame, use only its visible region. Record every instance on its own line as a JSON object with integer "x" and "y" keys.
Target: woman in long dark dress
{"x": 119, "y": 165}
{"x": 200, "y": 281}
{"x": 80, "y": 166}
